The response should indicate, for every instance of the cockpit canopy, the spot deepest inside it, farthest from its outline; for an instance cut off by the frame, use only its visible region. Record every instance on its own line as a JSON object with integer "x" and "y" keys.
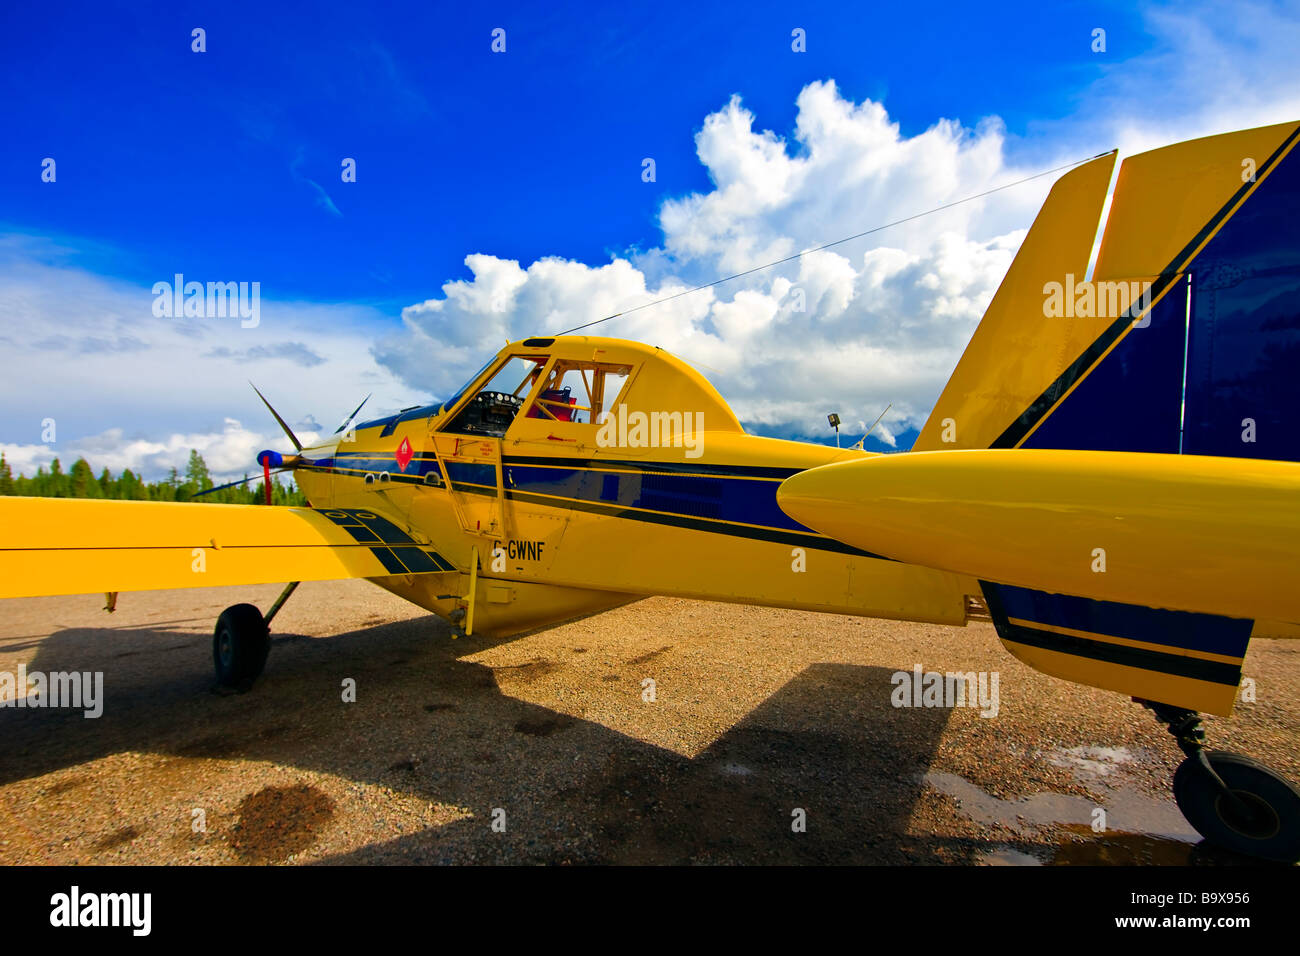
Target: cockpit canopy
{"x": 572, "y": 384}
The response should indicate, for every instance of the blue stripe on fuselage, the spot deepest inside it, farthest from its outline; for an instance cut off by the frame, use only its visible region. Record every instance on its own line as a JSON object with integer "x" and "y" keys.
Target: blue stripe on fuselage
{"x": 717, "y": 497}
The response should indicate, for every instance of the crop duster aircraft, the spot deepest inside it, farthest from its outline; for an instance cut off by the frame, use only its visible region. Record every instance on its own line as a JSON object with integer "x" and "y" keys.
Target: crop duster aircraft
{"x": 573, "y": 474}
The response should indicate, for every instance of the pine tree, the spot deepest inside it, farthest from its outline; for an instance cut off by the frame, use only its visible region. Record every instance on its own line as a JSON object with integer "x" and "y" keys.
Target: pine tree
{"x": 81, "y": 480}
{"x": 196, "y": 473}
{"x": 58, "y": 481}
{"x": 131, "y": 487}
{"x": 166, "y": 490}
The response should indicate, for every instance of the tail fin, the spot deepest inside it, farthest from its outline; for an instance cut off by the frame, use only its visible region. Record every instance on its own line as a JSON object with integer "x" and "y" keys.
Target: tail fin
{"x": 1206, "y": 231}
{"x": 1015, "y": 354}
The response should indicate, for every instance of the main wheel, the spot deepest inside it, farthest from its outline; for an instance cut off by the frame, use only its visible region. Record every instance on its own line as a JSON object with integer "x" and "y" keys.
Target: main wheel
{"x": 240, "y": 644}
{"x": 1264, "y": 820}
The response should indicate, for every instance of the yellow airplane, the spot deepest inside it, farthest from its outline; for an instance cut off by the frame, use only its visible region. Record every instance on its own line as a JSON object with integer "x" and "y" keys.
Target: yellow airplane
{"x": 568, "y": 476}
{"x": 572, "y": 474}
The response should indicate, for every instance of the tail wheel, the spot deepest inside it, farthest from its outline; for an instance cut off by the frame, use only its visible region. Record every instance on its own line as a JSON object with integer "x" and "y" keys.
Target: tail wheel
{"x": 1263, "y": 820}
{"x": 240, "y": 644}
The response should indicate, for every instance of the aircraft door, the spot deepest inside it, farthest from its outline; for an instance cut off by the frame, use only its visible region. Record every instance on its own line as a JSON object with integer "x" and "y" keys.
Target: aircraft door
{"x": 469, "y": 449}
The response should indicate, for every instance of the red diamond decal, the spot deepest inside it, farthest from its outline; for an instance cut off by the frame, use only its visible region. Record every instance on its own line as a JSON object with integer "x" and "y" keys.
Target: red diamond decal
{"x": 404, "y": 454}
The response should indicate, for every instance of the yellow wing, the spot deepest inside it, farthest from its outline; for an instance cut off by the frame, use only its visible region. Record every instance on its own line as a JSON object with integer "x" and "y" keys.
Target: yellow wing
{"x": 79, "y": 546}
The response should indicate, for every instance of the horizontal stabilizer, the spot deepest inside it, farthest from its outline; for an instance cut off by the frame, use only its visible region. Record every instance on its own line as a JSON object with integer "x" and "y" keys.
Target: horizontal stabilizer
{"x": 1191, "y": 533}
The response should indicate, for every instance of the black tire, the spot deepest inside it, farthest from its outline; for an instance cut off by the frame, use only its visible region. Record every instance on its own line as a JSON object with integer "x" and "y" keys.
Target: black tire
{"x": 240, "y": 643}
{"x": 1265, "y": 824}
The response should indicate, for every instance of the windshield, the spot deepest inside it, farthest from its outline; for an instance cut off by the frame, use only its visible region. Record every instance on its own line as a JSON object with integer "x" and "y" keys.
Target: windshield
{"x": 493, "y": 409}
{"x": 451, "y": 402}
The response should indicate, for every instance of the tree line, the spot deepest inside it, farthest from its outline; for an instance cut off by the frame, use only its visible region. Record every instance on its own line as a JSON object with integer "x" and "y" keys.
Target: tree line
{"x": 80, "y": 482}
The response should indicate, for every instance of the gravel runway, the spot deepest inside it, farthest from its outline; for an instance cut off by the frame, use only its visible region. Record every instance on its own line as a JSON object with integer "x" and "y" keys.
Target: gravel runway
{"x": 770, "y": 738}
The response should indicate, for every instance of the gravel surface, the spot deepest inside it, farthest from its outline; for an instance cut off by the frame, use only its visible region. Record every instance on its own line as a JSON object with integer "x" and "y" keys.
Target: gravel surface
{"x": 543, "y": 749}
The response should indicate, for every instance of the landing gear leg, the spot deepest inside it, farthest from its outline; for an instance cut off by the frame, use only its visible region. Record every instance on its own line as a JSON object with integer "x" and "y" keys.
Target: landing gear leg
{"x": 1229, "y": 799}
{"x": 241, "y": 641}
{"x": 279, "y": 602}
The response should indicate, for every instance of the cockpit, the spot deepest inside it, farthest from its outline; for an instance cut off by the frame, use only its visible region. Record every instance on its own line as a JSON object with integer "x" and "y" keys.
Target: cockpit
{"x": 493, "y": 408}
{"x": 564, "y": 389}
{"x": 571, "y": 392}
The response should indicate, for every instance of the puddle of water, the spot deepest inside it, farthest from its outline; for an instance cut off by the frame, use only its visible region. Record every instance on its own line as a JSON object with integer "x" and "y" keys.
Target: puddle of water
{"x": 1094, "y": 761}
{"x": 1134, "y": 812}
{"x": 739, "y": 770}
{"x": 1125, "y": 849}
{"x": 1041, "y": 809}
{"x": 1005, "y": 856}
{"x": 1140, "y": 829}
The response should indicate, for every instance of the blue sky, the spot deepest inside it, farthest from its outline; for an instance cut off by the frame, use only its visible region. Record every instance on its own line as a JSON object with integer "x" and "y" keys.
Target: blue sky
{"x": 167, "y": 155}
{"x": 225, "y": 165}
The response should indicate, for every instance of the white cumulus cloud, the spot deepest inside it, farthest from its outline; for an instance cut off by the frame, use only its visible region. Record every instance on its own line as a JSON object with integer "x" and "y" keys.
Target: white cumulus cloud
{"x": 847, "y": 329}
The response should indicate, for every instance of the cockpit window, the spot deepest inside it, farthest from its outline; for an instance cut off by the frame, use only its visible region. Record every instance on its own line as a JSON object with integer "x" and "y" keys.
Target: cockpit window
{"x": 579, "y": 392}
{"x": 491, "y": 411}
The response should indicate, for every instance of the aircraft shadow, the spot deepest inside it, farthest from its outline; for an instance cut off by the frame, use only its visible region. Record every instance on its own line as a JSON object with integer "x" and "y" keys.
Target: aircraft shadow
{"x": 828, "y": 743}
{"x": 808, "y": 749}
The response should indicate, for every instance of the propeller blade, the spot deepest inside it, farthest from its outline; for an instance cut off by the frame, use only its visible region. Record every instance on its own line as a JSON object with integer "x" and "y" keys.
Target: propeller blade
{"x": 232, "y": 484}
{"x": 348, "y": 421}
{"x": 287, "y": 430}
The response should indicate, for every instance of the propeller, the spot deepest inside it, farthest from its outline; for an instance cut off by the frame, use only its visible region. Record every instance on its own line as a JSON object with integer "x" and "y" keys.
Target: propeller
{"x": 269, "y": 459}
{"x": 235, "y": 484}
{"x": 348, "y": 421}
{"x": 287, "y": 430}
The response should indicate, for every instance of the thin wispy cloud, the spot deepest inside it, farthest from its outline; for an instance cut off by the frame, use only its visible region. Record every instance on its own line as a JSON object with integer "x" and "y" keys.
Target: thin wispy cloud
{"x": 295, "y": 352}
{"x": 322, "y": 197}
